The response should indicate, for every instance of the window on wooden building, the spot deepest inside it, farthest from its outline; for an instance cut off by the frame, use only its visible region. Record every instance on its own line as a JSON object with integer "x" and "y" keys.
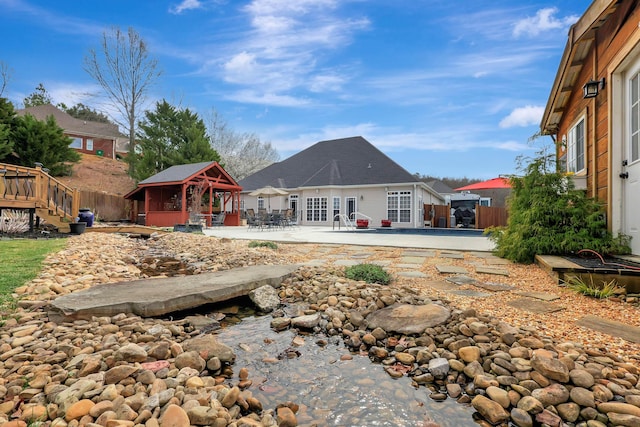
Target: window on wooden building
{"x": 576, "y": 147}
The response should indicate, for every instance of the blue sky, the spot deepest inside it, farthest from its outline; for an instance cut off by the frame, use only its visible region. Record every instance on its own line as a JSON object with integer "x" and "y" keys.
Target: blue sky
{"x": 445, "y": 88}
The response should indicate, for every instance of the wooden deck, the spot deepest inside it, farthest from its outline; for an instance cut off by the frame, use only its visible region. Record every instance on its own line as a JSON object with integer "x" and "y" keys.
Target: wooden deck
{"x": 34, "y": 190}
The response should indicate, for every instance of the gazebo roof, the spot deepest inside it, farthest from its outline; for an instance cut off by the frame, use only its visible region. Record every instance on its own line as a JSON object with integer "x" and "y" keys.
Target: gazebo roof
{"x": 210, "y": 172}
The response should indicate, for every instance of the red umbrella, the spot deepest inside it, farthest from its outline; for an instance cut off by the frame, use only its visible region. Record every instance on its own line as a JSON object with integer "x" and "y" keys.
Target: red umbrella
{"x": 491, "y": 184}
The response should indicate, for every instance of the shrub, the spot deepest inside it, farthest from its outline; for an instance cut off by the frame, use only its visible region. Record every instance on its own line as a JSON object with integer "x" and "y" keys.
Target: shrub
{"x": 257, "y": 244}
{"x": 369, "y": 273}
{"x": 591, "y": 289}
{"x": 547, "y": 215}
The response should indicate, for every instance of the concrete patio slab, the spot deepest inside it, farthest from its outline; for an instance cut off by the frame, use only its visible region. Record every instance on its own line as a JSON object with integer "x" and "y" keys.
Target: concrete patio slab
{"x": 611, "y": 327}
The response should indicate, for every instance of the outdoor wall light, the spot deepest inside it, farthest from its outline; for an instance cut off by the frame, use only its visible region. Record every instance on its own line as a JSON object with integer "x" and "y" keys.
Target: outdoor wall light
{"x": 592, "y": 87}
{"x": 361, "y": 197}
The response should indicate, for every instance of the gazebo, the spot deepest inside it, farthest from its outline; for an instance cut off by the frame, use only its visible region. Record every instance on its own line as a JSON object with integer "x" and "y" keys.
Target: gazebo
{"x": 186, "y": 193}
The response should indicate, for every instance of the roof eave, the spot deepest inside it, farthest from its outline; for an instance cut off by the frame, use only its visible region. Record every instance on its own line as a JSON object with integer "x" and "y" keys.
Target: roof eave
{"x": 570, "y": 65}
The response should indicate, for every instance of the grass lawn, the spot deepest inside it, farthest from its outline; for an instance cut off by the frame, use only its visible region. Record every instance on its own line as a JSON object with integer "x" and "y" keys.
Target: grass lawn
{"x": 21, "y": 262}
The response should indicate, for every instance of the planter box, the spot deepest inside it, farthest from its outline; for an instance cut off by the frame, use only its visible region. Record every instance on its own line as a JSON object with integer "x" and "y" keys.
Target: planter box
{"x": 362, "y": 223}
{"x": 386, "y": 223}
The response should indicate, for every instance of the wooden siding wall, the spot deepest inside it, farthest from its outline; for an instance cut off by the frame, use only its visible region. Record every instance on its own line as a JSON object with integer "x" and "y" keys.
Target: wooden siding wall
{"x": 610, "y": 38}
{"x": 106, "y": 207}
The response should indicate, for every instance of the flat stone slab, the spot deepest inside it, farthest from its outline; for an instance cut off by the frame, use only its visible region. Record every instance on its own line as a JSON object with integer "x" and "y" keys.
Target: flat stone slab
{"x": 492, "y": 270}
{"x": 423, "y": 254}
{"x": 381, "y": 263}
{"x": 494, "y": 287}
{"x": 315, "y": 263}
{"x": 441, "y": 285}
{"x": 361, "y": 255}
{"x": 419, "y": 274}
{"x": 346, "y": 262}
{"x": 538, "y": 295}
{"x": 452, "y": 255}
{"x": 534, "y": 306}
{"x": 450, "y": 269}
{"x": 412, "y": 259}
{"x": 610, "y": 327}
{"x": 461, "y": 280}
{"x": 160, "y": 296}
{"x": 497, "y": 261}
{"x": 408, "y": 319}
{"x": 470, "y": 293}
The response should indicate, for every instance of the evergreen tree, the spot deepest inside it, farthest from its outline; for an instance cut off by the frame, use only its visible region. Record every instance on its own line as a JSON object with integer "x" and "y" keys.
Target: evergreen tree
{"x": 43, "y": 142}
{"x": 170, "y": 136}
{"x": 548, "y": 216}
{"x": 7, "y": 116}
{"x": 84, "y": 112}
{"x": 39, "y": 97}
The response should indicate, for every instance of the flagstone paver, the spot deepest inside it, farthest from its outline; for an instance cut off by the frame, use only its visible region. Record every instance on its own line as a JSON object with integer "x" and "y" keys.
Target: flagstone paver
{"x": 470, "y": 293}
{"x": 492, "y": 270}
{"x": 534, "y": 306}
{"x": 412, "y": 273}
{"x": 346, "y": 262}
{"x": 452, "y": 255}
{"x": 412, "y": 260}
{"x": 539, "y": 295}
{"x": 497, "y": 261}
{"x": 461, "y": 280}
{"x": 451, "y": 269}
{"x": 494, "y": 287}
{"x": 425, "y": 254}
{"x": 610, "y": 327}
{"x": 441, "y": 285}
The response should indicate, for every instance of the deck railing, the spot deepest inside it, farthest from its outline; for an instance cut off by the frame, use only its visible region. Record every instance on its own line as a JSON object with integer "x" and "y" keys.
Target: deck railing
{"x": 22, "y": 187}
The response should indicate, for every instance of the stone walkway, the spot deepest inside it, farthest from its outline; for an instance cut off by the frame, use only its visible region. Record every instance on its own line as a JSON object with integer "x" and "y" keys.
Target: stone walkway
{"x": 452, "y": 277}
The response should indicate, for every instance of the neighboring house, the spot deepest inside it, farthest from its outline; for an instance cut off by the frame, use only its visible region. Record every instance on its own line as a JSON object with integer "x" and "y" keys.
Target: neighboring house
{"x": 346, "y": 176}
{"x": 102, "y": 139}
{"x": 593, "y": 111}
{"x": 186, "y": 193}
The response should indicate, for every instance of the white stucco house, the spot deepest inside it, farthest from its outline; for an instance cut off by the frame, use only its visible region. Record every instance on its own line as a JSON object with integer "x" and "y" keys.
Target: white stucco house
{"x": 348, "y": 177}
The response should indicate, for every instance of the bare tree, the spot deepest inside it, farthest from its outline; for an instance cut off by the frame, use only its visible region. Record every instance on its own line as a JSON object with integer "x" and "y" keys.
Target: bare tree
{"x": 241, "y": 154}
{"x": 5, "y": 76}
{"x": 125, "y": 71}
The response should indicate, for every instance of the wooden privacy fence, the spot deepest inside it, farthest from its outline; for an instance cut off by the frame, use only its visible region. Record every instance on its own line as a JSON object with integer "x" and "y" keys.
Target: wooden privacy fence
{"x": 489, "y": 216}
{"x": 106, "y": 207}
{"x": 486, "y": 216}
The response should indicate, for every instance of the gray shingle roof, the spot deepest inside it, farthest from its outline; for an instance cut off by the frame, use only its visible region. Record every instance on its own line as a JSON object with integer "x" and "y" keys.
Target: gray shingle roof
{"x": 340, "y": 162}
{"x": 70, "y": 124}
{"x": 176, "y": 173}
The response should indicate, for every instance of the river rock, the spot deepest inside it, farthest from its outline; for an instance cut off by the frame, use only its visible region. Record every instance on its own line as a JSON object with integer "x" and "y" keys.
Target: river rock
{"x": 552, "y": 395}
{"x": 308, "y": 321}
{"x": 174, "y": 416}
{"x": 499, "y": 395}
{"x": 490, "y": 410}
{"x": 469, "y": 353}
{"x": 521, "y": 418}
{"x": 619, "y": 408}
{"x": 207, "y": 346}
{"x": 582, "y": 397}
{"x": 550, "y": 368}
{"x": 582, "y": 378}
{"x": 190, "y": 359}
{"x": 623, "y": 419}
{"x": 286, "y": 417}
{"x": 265, "y": 298}
{"x": 568, "y": 411}
{"x": 439, "y": 367}
{"x": 131, "y": 353}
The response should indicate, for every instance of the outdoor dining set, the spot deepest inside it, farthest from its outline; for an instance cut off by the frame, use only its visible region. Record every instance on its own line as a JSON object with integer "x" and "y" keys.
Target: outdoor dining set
{"x": 276, "y": 219}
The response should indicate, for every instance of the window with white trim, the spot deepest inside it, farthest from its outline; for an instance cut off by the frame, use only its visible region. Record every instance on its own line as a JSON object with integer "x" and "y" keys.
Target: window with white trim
{"x": 317, "y": 208}
{"x": 260, "y": 202}
{"x": 76, "y": 143}
{"x": 89, "y": 144}
{"x": 576, "y": 147}
{"x": 336, "y": 206}
{"x": 399, "y": 206}
{"x": 634, "y": 122}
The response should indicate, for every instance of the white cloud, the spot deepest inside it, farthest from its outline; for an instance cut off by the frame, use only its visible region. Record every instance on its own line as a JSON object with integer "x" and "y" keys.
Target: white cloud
{"x": 544, "y": 20}
{"x": 523, "y": 116}
{"x": 255, "y": 97}
{"x": 185, "y": 5}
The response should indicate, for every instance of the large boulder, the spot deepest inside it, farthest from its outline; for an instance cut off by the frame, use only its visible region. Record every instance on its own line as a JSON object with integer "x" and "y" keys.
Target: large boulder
{"x": 408, "y": 319}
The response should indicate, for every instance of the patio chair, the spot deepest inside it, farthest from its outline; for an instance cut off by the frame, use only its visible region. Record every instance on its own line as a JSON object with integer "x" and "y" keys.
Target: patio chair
{"x": 218, "y": 220}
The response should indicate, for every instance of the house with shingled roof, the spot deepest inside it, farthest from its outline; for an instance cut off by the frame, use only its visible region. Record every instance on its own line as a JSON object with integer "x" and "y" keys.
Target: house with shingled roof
{"x": 102, "y": 139}
{"x": 346, "y": 177}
